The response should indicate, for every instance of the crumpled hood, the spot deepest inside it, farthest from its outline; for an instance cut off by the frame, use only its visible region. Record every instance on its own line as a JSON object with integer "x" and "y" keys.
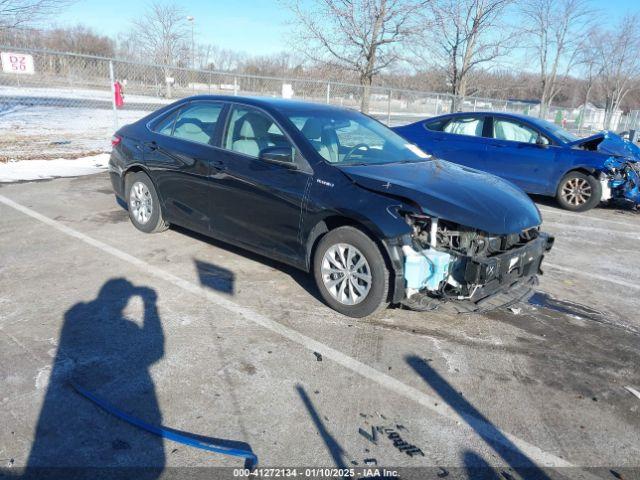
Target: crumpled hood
{"x": 612, "y": 144}
{"x": 452, "y": 192}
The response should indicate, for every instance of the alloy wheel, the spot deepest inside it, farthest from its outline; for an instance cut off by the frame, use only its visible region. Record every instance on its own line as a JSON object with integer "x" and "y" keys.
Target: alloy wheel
{"x": 140, "y": 202}
{"x": 346, "y": 274}
{"x": 576, "y": 191}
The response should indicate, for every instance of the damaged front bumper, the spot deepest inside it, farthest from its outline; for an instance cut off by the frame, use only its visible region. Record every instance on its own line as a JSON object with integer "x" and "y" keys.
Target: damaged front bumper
{"x": 471, "y": 278}
{"x": 503, "y": 272}
{"x": 621, "y": 180}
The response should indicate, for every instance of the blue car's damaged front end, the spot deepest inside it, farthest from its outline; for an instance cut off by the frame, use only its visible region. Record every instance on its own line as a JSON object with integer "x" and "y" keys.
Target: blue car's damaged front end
{"x": 623, "y": 179}
{"x": 620, "y": 171}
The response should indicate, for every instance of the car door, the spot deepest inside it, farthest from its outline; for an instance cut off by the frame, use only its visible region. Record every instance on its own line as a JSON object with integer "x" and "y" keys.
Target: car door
{"x": 181, "y": 157}
{"x": 521, "y": 154}
{"x": 259, "y": 202}
{"x": 461, "y": 140}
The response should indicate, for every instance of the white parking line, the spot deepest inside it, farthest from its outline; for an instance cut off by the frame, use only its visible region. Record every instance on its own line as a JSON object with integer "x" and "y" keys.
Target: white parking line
{"x": 594, "y": 276}
{"x": 436, "y": 405}
{"x": 585, "y": 228}
{"x": 587, "y": 217}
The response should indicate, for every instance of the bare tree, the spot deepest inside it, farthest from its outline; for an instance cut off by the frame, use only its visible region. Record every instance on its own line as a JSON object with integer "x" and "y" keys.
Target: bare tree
{"x": 556, "y": 28}
{"x": 590, "y": 67}
{"x": 21, "y": 13}
{"x": 360, "y": 35}
{"x": 225, "y": 59}
{"x": 465, "y": 34}
{"x": 162, "y": 35}
{"x": 619, "y": 69}
{"x": 78, "y": 39}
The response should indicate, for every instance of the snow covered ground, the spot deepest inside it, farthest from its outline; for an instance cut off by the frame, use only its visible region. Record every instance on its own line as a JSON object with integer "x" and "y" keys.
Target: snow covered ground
{"x": 45, "y": 132}
{"x": 44, "y": 169}
{"x": 48, "y": 123}
{"x": 76, "y": 94}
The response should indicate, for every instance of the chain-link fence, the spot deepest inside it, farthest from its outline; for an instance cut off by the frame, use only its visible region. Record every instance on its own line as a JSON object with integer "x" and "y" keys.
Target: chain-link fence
{"x": 68, "y": 106}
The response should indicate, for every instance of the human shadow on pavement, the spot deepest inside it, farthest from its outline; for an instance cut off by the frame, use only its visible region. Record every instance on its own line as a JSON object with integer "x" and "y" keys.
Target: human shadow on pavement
{"x": 491, "y": 434}
{"x": 108, "y": 354}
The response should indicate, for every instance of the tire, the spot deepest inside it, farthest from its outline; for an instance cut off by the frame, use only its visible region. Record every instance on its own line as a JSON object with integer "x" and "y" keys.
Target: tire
{"x": 579, "y": 192}
{"x": 148, "y": 220}
{"x": 351, "y": 296}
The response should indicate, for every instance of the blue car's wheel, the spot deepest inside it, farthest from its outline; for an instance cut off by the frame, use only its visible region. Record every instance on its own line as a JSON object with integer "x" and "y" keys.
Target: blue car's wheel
{"x": 579, "y": 192}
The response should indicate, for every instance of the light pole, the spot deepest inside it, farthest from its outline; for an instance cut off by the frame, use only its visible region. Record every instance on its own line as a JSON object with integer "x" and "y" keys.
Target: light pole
{"x": 191, "y": 20}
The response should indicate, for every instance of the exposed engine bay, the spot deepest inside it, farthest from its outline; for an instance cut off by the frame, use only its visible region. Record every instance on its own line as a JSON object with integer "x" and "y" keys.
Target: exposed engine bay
{"x": 445, "y": 261}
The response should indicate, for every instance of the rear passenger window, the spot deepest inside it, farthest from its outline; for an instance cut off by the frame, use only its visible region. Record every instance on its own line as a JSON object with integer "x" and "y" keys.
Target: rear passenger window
{"x": 197, "y": 122}
{"x": 466, "y": 126}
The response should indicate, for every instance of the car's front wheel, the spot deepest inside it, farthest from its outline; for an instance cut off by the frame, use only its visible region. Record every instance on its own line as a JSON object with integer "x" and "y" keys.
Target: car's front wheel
{"x": 579, "y": 192}
{"x": 350, "y": 272}
{"x": 143, "y": 203}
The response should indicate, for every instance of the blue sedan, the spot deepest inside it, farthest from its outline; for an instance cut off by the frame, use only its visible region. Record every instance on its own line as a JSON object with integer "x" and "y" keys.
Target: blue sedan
{"x": 538, "y": 156}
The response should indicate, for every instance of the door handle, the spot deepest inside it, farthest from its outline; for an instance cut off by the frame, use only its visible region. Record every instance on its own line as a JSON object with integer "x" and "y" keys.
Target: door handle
{"x": 151, "y": 145}
{"x": 217, "y": 165}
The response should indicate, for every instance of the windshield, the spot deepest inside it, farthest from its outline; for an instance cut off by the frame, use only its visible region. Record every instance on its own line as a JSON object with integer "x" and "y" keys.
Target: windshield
{"x": 558, "y": 131}
{"x": 350, "y": 138}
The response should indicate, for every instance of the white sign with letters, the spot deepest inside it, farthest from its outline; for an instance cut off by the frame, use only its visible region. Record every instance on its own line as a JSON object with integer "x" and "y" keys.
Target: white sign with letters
{"x": 17, "y": 63}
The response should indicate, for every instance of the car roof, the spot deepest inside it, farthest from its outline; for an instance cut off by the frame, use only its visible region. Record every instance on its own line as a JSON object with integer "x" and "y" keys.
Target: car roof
{"x": 514, "y": 116}
{"x": 272, "y": 103}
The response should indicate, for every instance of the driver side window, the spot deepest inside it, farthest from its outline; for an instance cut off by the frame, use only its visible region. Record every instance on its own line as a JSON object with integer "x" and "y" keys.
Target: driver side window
{"x": 514, "y": 132}
{"x": 249, "y": 131}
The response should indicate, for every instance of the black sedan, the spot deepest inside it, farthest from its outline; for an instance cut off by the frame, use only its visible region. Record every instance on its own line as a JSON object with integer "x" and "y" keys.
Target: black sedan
{"x": 333, "y": 192}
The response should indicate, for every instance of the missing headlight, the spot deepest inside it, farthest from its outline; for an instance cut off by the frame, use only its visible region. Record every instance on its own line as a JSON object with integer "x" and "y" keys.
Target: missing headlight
{"x": 448, "y": 261}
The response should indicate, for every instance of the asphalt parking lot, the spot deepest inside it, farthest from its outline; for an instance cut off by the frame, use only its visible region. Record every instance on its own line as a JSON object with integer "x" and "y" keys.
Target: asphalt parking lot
{"x": 206, "y": 338}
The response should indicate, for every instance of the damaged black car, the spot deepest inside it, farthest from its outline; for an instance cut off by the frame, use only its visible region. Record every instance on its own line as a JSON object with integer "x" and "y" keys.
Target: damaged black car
{"x": 335, "y": 193}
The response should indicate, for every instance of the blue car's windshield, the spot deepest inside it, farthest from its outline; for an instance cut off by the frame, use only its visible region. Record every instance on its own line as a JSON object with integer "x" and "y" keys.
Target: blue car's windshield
{"x": 349, "y": 138}
{"x": 557, "y": 131}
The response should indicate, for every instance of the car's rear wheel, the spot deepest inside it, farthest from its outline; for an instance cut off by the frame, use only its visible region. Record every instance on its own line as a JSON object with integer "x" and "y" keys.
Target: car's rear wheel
{"x": 143, "y": 203}
{"x": 350, "y": 272}
{"x": 579, "y": 192}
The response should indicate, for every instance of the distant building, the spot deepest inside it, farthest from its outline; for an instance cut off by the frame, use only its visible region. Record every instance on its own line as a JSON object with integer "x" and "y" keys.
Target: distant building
{"x": 594, "y": 117}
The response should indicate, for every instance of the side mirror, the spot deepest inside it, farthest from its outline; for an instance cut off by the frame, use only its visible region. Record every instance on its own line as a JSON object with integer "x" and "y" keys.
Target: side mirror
{"x": 279, "y": 155}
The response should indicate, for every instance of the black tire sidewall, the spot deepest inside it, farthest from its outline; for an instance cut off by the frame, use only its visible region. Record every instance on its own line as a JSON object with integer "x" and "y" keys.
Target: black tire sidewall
{"x": 156, "y": 218}
{"x": 377, "y": 297}
{"x": 596, "y": 192}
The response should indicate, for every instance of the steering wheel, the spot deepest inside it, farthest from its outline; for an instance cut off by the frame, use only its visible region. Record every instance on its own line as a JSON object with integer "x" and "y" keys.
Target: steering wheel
{"x": 353, "y": 150}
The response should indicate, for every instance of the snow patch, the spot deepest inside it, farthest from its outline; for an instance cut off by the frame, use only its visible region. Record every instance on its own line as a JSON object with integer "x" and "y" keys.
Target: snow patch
{"x": 42, "y": 378}
{"x": 77, "y": 94}
{"x": 45, "y": 169}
